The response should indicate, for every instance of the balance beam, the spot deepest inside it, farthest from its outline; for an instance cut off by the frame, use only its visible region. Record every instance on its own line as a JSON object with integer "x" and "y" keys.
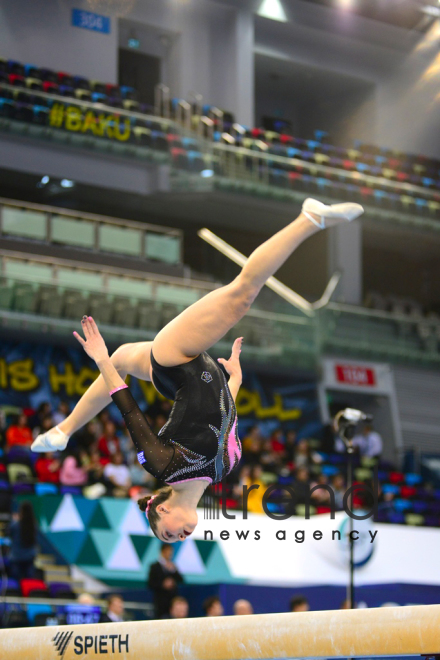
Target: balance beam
{"x": 384, "y": 631}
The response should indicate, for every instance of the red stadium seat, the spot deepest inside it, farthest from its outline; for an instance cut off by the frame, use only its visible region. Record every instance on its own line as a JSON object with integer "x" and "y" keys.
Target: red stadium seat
{"x": 31, "y": 587}
{"x": 50, "y": 87}
{"x": 408, "y": 491}
{"x": 396, "y": 477}
{"x": 16, "y": 80}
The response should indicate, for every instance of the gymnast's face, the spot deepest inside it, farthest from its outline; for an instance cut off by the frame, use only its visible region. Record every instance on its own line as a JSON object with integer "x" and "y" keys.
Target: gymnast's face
{"x": 176, "y": 523}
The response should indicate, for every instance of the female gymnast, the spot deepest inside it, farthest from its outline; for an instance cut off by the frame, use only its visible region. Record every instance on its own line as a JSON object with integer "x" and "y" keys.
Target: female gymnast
{"x": 199, "y": 444}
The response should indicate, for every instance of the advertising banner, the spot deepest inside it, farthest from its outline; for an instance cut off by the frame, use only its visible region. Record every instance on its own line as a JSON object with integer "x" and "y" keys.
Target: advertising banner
{"x": 33, "y": 373}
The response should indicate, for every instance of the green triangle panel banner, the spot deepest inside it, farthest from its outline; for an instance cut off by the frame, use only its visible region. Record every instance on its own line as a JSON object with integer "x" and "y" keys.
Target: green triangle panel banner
{"x": 86, "y": 508}
{"x": 69, "y": 544}
{"x": 141, "y": 544}
{"x": 98, "y": 519}
{"x": 89, "y": 554}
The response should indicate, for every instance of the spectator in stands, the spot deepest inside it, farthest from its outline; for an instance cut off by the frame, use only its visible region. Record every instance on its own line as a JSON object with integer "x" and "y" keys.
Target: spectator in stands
{"x": 139, "y": 476}
{"x": 242, "y": 606}
{"x": 163, "y": 580}
{"x": 301, "y": 455}
{"x": 179, "y": 608}
{"x": 277, "y": 441}
{"x": 369, "y": 442}
{"x": 212, "y": 606}
{"x": 338, "y": 485}
{"x": 19, "y": 433}
{"x": 94, "y": 466}
{"x": 88, "y": 436}
{"x": 290, "y": 445}
{"x": 47, "y": 468}
{"x": 115, "y": 610}
{"x": 46, "y": 424}
{"x": 299, "y": 603}
{"x": 321, "y": 496}
{"x": 108, "y": 444}
{"x": 118, "y": 475}
{"x": 251, "y": 476}
{"x": 252, "y": 446}
{"x": 73, "y": 472}
{"x": 60, "y": 413}
{"x": 43, "y": 410}
{"x": 301, "y": 485}
{"x": 23, "y": 532}
{"x": 85, "y": 599}
{"x": 270, "y": 460}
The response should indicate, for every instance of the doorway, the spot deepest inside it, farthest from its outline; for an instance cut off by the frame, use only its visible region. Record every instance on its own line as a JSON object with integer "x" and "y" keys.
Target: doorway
{"x": 141, "y": 71}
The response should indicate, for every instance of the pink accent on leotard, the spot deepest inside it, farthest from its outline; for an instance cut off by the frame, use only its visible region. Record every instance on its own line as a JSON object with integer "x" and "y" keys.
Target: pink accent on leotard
{"x": 122, "y": 387}
{"x": 233, "y": 447}
{"x": 182, "y": 481}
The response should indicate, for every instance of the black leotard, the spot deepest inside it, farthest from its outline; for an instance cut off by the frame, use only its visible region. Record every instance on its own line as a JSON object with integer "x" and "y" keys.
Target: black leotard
{"x": 199, "y": 440}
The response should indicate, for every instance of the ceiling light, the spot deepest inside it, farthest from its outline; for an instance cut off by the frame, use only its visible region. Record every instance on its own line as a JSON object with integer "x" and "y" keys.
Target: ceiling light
{"x": 346, "y": 4}
{"x": 45, "y": 179}
{"x": 67, "y": 183}
{"x": 272, "y": 9}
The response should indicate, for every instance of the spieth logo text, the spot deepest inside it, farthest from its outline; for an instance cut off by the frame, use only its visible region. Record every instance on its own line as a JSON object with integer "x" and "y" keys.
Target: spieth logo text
{"x": 97, "y": 644}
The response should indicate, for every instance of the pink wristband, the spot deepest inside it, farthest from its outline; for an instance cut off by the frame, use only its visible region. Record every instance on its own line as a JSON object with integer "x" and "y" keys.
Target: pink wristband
{"x": 122, "y": 387}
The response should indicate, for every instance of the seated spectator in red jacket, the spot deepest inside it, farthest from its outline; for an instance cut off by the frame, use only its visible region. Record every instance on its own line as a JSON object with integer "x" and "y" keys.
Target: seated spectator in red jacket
{"x": 72, "y": 471}
{"x": 19, "y": 433}
{"x": 277, "y": 441}
{"x": 108, "y": 444}
{"x": 47, "y": 468}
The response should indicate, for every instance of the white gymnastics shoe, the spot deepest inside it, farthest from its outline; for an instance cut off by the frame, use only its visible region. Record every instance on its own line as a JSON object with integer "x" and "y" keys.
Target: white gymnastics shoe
{"x": 52, "y": 440}
{"x": 329, "y": 216}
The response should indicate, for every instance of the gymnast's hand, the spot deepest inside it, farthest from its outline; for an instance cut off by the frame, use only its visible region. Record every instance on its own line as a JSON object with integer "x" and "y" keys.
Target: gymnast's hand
{"x": 232, "y": 365}
{"x": 94, "y": 345}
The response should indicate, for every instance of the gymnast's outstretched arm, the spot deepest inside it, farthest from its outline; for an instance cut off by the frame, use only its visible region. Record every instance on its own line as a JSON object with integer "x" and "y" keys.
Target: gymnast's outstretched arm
{"x": 133, "y": 359}
{"x": 153, "y": 452}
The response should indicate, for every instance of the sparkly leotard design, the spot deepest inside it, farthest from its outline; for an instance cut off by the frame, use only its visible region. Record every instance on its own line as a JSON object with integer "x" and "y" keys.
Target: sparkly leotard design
{"x": 200, "y": 439}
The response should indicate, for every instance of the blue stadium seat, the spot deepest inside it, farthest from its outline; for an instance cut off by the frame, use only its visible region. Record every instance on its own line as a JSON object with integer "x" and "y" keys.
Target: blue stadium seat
{"x": 99, "y": 97}
{"x": 396, "y": 517}
{"x": 65, "y": 90}
{"x": 402, "y": 505}
{"x": 129, "y": 93}
{"x": 48, "y": 75}
{"x": 16, "y": 68}
{"x": 32, "y": 71}
{"x": 391, "y": 488}
{"x": 6, "y": 108}
{"x": 45, "y": 489}
{"x": 419, "y": 506}
{"x": 41, "y": 115}
{"x": 79, "y": 82}
{"x": 412, "y": 479}
{"x": 329, "y": 470}
{"x": 196, "y": 162}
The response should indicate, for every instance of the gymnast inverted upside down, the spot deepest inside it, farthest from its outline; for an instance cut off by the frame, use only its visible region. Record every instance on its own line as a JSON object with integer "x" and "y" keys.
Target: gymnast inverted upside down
{"x": 199, "y": 444}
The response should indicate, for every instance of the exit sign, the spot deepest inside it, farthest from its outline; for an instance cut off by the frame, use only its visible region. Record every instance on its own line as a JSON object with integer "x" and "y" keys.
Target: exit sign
{"x": 352, "y": 374}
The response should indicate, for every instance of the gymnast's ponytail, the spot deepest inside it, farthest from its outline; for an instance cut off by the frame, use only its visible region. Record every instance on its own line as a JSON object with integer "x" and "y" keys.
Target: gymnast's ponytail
{"x": 150, "y": 503}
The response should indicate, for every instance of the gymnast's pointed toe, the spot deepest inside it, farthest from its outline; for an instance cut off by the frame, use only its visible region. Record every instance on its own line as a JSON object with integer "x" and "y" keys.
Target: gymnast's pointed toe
{"x": 52, "y": 440}
{"x": 324, "y": 216}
